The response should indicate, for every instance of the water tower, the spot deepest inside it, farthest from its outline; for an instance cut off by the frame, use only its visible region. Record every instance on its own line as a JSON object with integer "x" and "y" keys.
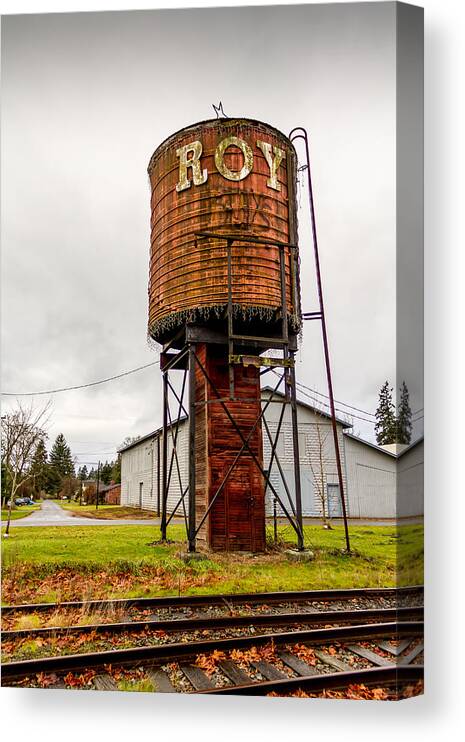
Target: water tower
{"x": 224, "y": 291}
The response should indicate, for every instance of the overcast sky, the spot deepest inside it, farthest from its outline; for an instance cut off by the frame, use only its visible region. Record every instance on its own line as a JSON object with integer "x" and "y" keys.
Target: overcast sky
{"x": 88, "y": 97}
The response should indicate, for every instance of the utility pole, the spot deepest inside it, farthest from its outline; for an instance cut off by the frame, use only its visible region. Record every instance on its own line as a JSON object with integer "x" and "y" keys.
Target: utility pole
{"x": 98, "y": 481}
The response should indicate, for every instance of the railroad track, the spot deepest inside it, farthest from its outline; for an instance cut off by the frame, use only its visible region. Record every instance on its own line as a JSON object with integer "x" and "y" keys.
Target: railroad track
{"x": 249, "y": 621}
{"x": 313, "y": 650}
{"x": 273, "y": 662}
{"x": 193, "y": 601}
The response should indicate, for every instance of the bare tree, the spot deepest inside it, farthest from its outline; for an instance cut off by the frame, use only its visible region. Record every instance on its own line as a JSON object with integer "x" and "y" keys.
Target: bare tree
{"x": 319, "y": 472}
{"x": 69, "y": 488}
{"x": 22, "y": 430}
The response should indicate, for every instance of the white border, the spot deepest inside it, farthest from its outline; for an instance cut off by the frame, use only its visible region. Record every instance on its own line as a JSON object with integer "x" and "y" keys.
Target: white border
{"x": 37, "y": 715}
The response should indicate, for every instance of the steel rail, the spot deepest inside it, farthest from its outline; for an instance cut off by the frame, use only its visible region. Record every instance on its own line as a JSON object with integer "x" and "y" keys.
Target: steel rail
{"x": 391, "y": 675}
{"x": 169, "y": 652}
{"x": 222, "y": 622}
{"x": 301, "y": 596}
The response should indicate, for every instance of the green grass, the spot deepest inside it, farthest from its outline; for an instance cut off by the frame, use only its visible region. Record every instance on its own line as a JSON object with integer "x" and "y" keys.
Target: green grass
{"x": 19, "y": 512}
{"x": 88, "y": 545}
{"x": 66, "y": 505}
{"x": 112, "y": 561}
{"x": 107, "y": 512}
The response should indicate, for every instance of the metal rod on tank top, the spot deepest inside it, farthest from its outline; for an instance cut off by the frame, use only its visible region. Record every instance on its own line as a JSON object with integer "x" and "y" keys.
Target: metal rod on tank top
{"x": 303, "y": 135}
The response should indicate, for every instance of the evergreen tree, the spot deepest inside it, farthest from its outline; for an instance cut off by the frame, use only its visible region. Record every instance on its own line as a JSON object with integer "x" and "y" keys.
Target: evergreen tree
{"x": 82, "y": 473}
{"x": 105, "y": 473}
{"x": 385, "y": 427}
{"x": 61, "y": 463}
{"x": 116, "y": 470}
{"x": 404, "y": 417}
{"x": 40, "y": 469}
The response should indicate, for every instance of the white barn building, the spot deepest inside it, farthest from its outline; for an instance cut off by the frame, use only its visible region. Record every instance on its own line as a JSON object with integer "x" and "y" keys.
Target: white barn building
{"x": 378, "y": 483}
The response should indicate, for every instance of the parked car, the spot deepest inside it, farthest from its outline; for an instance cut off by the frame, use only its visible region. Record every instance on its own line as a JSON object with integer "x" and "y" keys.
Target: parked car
{"x": 20, "y": 501}
{"x": 28, "y": 501}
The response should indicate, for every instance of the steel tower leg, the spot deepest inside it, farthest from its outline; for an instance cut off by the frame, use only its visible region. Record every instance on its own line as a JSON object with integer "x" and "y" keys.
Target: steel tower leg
{"x": 191, "y": 536}
{"x": 164, "y": 492}
{"x": 295, "y": 441}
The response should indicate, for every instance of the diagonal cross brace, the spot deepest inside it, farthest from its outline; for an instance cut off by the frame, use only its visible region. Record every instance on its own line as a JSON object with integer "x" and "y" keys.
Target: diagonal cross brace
{"x": 174, "y": 455}
{"x": 176, "y": 432}
{"x": 177, "y": 505}
{"x": 236, "y": 459}
{"x": 274, "y": 456}
{"x": 297, "y": 527}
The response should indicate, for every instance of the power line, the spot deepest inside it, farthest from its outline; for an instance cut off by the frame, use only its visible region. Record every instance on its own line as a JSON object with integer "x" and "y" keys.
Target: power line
{"x": 320, "y": 394}
{"x": 154, "y": 363}
{"x": 337, "y": 409}
{"x": 415, "y": 416}
{"x": 325, "y": 404}
{"x": 80, "y": 386}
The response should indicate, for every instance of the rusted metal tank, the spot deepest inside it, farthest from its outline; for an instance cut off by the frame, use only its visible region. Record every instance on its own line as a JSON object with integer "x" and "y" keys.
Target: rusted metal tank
{"x": 224, "y": 176}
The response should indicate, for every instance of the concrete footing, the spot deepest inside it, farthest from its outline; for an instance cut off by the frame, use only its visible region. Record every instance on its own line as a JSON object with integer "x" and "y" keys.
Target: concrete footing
{"x": 299, "y": 556}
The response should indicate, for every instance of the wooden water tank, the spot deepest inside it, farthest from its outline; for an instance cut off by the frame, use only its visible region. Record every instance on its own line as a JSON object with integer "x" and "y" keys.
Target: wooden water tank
{"x": 227, "y": 176}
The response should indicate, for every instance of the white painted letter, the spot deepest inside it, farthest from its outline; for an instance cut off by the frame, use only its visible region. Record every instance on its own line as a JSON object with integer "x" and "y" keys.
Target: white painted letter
{"x": 224, "y": 169}
{"x": 199, "y": 176}
{"x": 273, "y": 164}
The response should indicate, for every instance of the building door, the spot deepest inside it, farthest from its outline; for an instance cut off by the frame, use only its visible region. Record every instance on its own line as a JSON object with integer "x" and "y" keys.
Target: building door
{"x": 237, "y": 520}
{"x": 334, "y": 501}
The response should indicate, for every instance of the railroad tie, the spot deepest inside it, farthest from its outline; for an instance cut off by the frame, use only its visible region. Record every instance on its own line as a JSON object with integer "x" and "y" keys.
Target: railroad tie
{"x": 296, "y": 664}
{"x": 270, "y": 672}
{"x": 310, "y": 609}
{"x": 332, "y": 661}
{"x": 367, "y": 654}
{"x": 59, "y": 684}
{"x": 197, "y": 677}
{"x": 235, "y": 674}
{"x": 160, "y": 681}
{"x": 393, "y": 649}
{"x": 104, "y": 682}
{"x": 411, "y": 656}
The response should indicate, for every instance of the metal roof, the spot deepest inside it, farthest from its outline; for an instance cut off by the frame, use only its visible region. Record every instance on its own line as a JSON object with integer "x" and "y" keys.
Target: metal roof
{"x": 411, "y": 445}
{"x": 153, "y": 434}
{"x": 309, "y": 407}
{"x": 380, "y": 449}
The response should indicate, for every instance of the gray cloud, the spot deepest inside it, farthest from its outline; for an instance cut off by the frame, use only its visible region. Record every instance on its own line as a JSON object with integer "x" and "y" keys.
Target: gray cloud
{"x": 86, "y": 100}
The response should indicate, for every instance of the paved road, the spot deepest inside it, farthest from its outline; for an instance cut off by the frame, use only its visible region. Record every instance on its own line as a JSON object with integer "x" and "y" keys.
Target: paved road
{"x": 51, "y": 514}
